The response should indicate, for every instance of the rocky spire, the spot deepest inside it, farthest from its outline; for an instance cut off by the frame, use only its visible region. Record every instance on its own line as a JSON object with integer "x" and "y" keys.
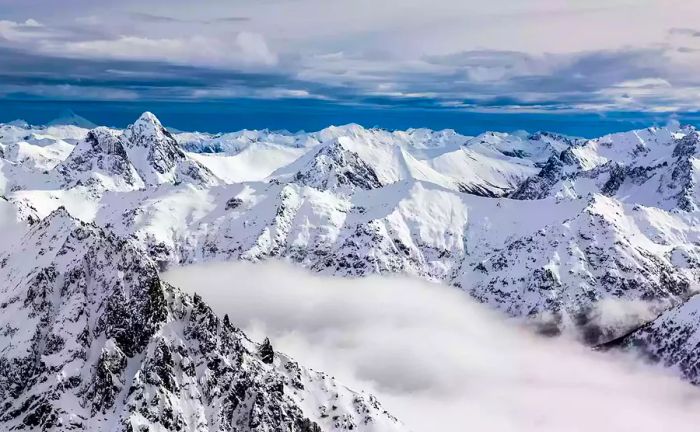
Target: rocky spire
{"x": 267, "y": 354}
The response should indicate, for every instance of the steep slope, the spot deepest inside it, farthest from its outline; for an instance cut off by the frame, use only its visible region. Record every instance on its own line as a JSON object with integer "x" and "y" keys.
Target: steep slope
{"x": 483, "y": 171}
{"x": 36, "y": 157}
{"x": 673, "y": 339}
{"x": 37, "y": 148}
{"x": 651, "y": 167}
{"x": 104, "y": 161}
{"x": 100, "y": 161}
{"x": 91, "y": 339}
{"x": 422, "y": 140}
{"x": 348, "y": 163}
{"x": 335, "y": 152}
{"x": 157, "y": 157}
{"x": 255, "y": 162}
{"x": 596, "y": 223}
{"x": 608, "y": 254}
{"x": 537, "y": 148}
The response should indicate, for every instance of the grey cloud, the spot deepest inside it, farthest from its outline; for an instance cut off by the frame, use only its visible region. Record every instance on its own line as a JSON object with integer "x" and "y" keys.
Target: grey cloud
{"x": 557, "y": 81}
{"x": 24, "y": 74}
{"x": 685, "y": 32}
{"x": 148, "y": 17}
{"x": 489, "y": 79}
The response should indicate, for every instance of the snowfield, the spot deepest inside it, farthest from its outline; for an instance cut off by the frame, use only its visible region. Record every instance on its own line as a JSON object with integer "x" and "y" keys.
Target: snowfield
{"x": 598, "y": 239}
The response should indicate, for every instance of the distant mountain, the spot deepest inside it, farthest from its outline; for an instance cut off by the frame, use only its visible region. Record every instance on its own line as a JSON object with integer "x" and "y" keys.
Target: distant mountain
{"x": 69, "y": 118}
{"x": 598, "y": 237}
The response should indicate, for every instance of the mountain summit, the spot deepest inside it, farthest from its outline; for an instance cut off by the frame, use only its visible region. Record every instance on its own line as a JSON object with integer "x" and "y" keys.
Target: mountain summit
{"x": 145, "y": 154}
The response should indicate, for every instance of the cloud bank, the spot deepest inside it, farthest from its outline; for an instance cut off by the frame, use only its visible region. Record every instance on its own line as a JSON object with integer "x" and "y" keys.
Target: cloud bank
{"x": 503, "y": 55}
{"x": 436, "y": 359}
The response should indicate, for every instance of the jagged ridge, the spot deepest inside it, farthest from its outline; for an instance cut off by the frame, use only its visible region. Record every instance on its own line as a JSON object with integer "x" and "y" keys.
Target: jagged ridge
{"x": 92, "y": 339}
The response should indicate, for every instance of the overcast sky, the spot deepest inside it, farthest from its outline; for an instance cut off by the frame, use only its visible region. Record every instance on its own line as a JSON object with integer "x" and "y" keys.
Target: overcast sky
{"x": 496, "y": 55}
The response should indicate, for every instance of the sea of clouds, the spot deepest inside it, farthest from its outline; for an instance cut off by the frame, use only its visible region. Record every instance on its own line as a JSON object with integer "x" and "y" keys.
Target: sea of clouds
{"x": 437, "y": 359}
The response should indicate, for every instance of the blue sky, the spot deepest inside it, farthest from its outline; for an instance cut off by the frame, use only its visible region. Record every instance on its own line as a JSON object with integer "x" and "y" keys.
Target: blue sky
{"x": 537, "y": 64}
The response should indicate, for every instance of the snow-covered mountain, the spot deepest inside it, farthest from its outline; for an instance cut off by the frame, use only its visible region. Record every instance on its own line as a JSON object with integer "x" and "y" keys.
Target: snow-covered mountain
{"x": 91, "y": 339}
{"x": 597, "y": 237}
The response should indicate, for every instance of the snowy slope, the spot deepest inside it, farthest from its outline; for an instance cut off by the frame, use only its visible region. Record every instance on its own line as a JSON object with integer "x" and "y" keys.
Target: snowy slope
{"x": 597, "y": 237}
{"x": 483, "y": 170}
{"x": 535, "y": 148}
{"x": 157, "y": 157}
{"x": 255, "y": 162}
{"x": 92, "y": 339}
{"x": 654, "y": 167}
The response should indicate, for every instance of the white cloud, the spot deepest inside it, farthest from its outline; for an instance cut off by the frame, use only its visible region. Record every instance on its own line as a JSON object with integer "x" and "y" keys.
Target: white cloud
{"x": 28, "y": 30}
{"x": 645, "y": 83}
{"x": 244, "y": 49}
{"x": 438, "y": 360}
{"x": 231, "y": 91}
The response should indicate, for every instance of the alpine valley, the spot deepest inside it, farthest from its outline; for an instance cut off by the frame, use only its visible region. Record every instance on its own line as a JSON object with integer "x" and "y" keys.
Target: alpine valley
{"x": 597, "y": 238}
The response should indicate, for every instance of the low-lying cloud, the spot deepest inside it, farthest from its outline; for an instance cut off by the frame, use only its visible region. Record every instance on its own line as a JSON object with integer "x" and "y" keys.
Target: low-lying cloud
{"x": 438, "y": 360}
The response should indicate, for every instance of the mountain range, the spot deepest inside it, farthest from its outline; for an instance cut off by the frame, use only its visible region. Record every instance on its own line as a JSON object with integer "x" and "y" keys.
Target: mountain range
{"x": 598, "y": 238}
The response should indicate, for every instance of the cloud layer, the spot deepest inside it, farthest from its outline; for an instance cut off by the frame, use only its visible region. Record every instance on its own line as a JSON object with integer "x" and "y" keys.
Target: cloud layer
{"x": 504, "y": 55}
{"x": 438, "y": 360}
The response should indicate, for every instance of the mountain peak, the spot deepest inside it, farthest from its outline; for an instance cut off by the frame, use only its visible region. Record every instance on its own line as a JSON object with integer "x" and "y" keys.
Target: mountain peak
{"x": 148, "y": 117}
{"x": 105, "y": 140}
{"x": 70, "y": 118}
{"x": 60, "y": 214}
{"x": 147, "y": 131}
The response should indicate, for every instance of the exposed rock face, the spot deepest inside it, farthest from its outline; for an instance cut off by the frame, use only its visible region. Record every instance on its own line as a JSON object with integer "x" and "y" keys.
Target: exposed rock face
{"x": 540, "y": 186}
{"x": 267, "y": 354}
{"x": 564, "y": 273}
{"x": 101, "y": 161}
{"x": 335, "y": 167}
{"x": 157, "y": 156}
{"x": 146, "y": 154}
{"x": 651, "y": 167}
{"x": 91, "y": 339}
{"x": 673, "y": 339}
{"x": 682, "y": 182}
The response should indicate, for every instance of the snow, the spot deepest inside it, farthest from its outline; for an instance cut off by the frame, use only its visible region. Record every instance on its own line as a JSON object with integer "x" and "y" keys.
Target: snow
{"x": 254, "y": 163}
{"x": 605, "y": 237}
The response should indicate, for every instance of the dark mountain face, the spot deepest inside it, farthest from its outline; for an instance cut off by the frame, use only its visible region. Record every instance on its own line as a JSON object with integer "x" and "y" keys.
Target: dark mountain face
{"x": 92, "y": 339}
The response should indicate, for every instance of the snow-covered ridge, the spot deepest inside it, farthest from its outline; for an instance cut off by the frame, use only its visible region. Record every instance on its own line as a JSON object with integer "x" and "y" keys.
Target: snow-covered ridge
{"x": 594, "y": 236}
{"x": 91, "y": 339}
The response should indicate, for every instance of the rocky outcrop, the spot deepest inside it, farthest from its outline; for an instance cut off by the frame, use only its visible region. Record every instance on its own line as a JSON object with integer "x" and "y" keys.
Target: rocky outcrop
{"x": 92, "y": 340}
{"x": 100, "y": 161}
{"x": 335, "y": 167}
{"x": 158, "y": 158}
{"x": 540, "y": 186}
